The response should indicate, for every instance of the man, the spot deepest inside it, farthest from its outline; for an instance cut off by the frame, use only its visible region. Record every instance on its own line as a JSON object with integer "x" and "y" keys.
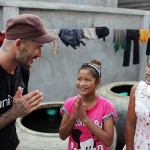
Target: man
{"x": 25, "y": 37}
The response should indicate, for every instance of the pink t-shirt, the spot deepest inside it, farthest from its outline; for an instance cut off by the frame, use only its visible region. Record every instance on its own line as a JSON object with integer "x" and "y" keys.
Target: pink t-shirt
{"x": 81, "y": 137}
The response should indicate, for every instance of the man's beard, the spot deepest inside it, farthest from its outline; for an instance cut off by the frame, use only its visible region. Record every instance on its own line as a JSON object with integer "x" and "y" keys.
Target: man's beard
{"x": 22, "y": 58}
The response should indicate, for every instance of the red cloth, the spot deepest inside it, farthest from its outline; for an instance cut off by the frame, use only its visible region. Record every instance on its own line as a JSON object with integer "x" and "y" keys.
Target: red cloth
{"x": 2, "y": 37}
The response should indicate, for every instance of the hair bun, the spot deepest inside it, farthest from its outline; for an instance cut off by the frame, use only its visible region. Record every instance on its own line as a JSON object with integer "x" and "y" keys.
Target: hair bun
{"x": 96, "y": 63}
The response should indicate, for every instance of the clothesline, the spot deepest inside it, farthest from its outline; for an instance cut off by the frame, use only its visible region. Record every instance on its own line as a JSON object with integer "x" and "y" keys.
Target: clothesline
{"x": 122, "y": 39}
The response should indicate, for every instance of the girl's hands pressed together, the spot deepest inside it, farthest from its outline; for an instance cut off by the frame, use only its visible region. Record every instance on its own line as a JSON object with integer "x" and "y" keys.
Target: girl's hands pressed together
{"x": 80, "y": 109}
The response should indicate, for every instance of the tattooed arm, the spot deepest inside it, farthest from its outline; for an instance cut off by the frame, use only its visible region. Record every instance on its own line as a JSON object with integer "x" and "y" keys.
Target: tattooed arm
{"x": 6, "y": 118}
{"x": 22, "y": 105}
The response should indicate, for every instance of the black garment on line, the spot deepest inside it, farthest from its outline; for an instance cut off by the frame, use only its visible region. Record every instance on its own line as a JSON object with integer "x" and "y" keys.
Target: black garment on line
{"x": 102, "y": 32}
{"x": 131, "y": 35}
{"x": 148, "y": 48}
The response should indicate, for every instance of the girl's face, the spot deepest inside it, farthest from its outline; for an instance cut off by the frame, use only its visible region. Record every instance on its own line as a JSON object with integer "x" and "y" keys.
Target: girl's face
{"x": 86, "y": 83}
{"x": 147, "y": 71}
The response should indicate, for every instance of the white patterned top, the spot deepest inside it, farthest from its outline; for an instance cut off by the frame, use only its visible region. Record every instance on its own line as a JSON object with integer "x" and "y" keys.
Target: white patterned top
{"x": 142, "y": 110}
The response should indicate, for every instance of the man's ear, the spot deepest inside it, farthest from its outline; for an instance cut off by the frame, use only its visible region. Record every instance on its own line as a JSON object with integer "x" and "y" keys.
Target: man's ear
{"x": 19, "y": 44}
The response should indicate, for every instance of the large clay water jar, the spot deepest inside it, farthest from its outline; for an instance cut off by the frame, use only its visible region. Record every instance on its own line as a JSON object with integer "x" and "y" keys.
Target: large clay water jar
{"x": 118, "y": 93}
{"x": 39, "y": 130}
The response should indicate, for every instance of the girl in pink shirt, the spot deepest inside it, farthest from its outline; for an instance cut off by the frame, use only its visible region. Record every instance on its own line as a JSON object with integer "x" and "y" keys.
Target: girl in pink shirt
{"x": 88, "y": 119}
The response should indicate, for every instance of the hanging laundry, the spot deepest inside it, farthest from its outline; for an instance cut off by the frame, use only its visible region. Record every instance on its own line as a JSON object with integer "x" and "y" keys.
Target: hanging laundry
{"x": 71, "y": 37}
{"x": 102, "y": 32}
{"x": 119, "y": 39}
{"x": 89, "y": 33}
{"x": 148, "y": 48}
{"x": 131, "y": 35}
{"x": 144, "y": 35}
{"x": 54, "y": 44}
{"x": 2, "y": 37}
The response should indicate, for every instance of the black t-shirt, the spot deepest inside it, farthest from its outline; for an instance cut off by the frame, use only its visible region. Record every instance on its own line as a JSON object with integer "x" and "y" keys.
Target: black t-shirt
{"x": 8, "y": 86}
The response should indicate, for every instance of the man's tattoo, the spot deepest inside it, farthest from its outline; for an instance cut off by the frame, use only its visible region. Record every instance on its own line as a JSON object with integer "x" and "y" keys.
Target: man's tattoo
{"x": 5, "y": 45}
{"x": 5, "y": 120}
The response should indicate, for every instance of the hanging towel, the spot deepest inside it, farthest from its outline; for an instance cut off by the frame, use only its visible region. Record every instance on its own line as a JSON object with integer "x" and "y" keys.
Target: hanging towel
{"x": 119, "y": 39}
{"x": 102, "y": 32}
{"x": 89, "y": 33}
{"x": 144, "y": 35}
{"x": 54, "y": 44}
{"x": 71, "y": 37}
